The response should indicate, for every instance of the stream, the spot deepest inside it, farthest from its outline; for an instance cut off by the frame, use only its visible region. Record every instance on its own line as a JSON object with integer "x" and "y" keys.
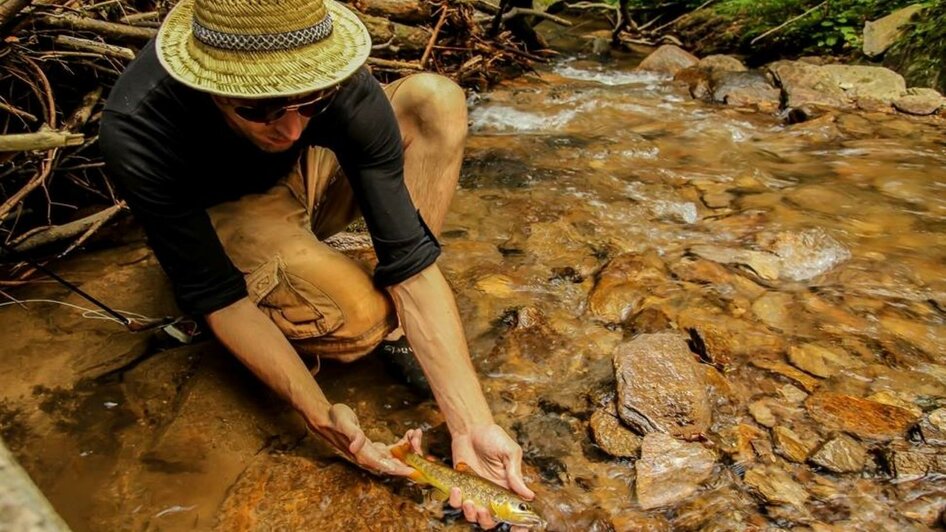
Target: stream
{"x": 802, "y": 265}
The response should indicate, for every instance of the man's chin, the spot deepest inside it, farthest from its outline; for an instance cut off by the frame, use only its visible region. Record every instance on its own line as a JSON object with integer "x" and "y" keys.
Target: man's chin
{"x": 274, "y": 147}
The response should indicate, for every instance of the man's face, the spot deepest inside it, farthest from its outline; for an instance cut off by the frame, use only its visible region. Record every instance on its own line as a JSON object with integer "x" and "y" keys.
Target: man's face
{"x": 273, "y": 125}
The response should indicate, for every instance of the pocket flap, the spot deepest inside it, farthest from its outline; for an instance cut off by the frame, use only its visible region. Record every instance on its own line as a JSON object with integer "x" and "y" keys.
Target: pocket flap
{"x": 263, "y": 280}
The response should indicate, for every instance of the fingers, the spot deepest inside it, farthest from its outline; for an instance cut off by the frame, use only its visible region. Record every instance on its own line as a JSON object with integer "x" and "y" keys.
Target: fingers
{"x": 415, "y": 436}
{"x": 514, "y": 477}
{"x": 455, "y": 499}
{"x": 357, "y": 442}
{"x": 471, "y": 513}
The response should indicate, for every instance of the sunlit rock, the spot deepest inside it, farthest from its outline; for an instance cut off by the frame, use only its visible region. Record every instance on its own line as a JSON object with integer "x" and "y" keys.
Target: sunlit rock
{"x": 791, "y": 445}
{"x": 745, "y": 89}
{"x": 880, "y": 34}
{"x": 867, "y": 82}
{"x": 742, "y": 442}
{"x": 928, "y": 337}
{"x": 661, "y": 387}
{"x": 775, "y": 310}
{"x": 613, "y": 437}
{"x": 670, "y": 470}
{"x": 776, "y": 486}
{"x": 841, "y": 454}
{"x": 898, "y": 399}
{"x": 286, "y": 492}
{"x": 723, "y": 508}
{"x": 623, "y": 284}
{"x": 668, "y": 59}
{"x": 718, "y": 200}
{"x": 792, "y": 393}
{"x": 866, "y": 419}
{"x": 821, "y": 361}
{"x": 910, "y": 464}
{"x": 806, "y": 381}
{"x": 920, "y": 101}
{"x": 806, "y": 254}
{"x": 722, "y": 63}
{"x": 926, "y": 509}
{"x": 805, "y": 84}
{"x": 761, "y": 413}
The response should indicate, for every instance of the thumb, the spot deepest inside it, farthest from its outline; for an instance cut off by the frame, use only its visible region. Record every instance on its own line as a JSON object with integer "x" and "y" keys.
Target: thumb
{"x": 358, "y": 441}
{"x": 515, "y": 480}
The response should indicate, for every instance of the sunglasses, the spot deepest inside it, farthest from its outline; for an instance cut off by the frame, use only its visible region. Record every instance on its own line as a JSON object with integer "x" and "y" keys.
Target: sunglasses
{"x": 266, "y": 111}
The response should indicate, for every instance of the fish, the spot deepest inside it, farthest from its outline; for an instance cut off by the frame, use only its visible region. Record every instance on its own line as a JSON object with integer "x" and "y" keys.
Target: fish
{"x": 504, "y": 505}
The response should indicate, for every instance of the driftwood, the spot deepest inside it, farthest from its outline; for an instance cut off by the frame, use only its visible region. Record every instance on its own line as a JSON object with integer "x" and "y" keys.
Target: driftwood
{"x": 49, "y": 235}
{"x": 405, "y": 11}
{"x": 110, "y": 50}
{"x": 113, "y": 30}
{"x": 397, "y": 37}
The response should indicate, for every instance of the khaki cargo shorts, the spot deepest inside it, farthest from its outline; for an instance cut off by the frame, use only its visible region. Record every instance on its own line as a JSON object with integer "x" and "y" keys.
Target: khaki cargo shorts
{"x": 323, "y": 301}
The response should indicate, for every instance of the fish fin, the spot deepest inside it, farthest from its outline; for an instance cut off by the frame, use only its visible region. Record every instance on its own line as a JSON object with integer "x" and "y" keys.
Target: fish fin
{"x": 401, "y": 451}
{"x": 417, "y": 477}
{"x": 439, "y": 496}
{"x": 463, "y": 467}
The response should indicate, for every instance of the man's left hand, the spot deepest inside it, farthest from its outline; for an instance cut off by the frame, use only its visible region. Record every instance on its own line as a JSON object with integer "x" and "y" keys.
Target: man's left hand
{"x": 493, "y": 455}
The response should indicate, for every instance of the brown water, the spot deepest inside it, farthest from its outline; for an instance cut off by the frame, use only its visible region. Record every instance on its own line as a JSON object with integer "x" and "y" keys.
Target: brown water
{"x": 585, "y": 166}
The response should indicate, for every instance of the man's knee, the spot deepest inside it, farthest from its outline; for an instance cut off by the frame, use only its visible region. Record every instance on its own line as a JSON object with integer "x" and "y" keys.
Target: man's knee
{"x": 434, "y": 106}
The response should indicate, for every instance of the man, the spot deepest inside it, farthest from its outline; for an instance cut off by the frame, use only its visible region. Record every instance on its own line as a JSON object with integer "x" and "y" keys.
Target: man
{"x": 227, "y": 137}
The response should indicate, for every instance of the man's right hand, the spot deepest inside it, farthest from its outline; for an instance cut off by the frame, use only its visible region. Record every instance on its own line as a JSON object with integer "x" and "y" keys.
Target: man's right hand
{"x": 343, "y": 432}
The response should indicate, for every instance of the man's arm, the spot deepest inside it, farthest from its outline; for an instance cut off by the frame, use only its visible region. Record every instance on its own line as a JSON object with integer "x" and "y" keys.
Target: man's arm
{"x": 429, "y": 317}
{"x": 260, "y": 345}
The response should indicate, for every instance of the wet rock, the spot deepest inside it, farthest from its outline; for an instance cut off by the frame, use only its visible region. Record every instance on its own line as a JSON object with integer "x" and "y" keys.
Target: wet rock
{"x": 867, "y": 82}
{"x": 821, "y": 361}
{"x": 892, "y": 398}
{"x": 931, "y": 433}
{"x": 531, "y": 338}
{"x": 633, "y": 522}
{"x": 702, "y": 271}
{"x": 866, "y": 419}
{"x": 805, "y": 254}
{"x": 806, "y": 381}
{"x": 761, "y": 413}
{"x": 791, "y": 445}
{"x": 718, "y": 200}
{"x": 910, "y": 465}
{"x": 727, "y": 338}
{"x": 613, "y": 437}
{"x": 804, "y": 84}
{"x": 295, "y": 493}
{"x": 723, "y": 508}
{"x": 926, "y": 509}
{"x": 880, "y": 34}
{"x": 745, "y": 89}
{"x": 765, "y": 265}
{"x": 661, "y": 387}
{"x": 775, "y": 310}
{"x": 739, "y": 441}
{"x": 668, "y": 59}
{"x": 670, "y": 470}
{"x": 776, "y": 486}
{"x": 648, "y": 321}
{"x": 547, "y": 435}
{"x": 623, "y": 284}
{"x": 841, "y": 454}
{"x": 937, "y": 419}
{"x": 927, "y": 337}
{"x": 791, "y": 393}
{"x": 920, "y": 101}
{"x": 154, "y": 387}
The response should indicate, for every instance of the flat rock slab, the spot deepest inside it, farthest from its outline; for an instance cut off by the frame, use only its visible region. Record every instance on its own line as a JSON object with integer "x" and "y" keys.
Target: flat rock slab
{"x": 670, "y": 470}
{"x": 613, "y": 437}
{"x": 776, "y": 486}
{"x": 661, "y": 387}
{"x": 295, "y": 493}
{"x": 821, "y": 361}
{"x": 841, "y": 454}
{"x": 861, "y": 417}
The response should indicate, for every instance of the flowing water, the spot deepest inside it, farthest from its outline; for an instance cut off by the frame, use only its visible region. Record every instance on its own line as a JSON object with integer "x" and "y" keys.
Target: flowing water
{"x": 764, "y": 239}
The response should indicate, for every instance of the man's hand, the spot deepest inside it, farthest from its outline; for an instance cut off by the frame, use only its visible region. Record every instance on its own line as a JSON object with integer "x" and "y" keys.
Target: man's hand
{"x": 343, "y": 432}
{"x": 493, "y": 455}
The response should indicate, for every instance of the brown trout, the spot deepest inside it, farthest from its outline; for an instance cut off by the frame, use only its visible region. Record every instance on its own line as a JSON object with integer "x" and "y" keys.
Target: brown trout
{"x": 504, "y": 505}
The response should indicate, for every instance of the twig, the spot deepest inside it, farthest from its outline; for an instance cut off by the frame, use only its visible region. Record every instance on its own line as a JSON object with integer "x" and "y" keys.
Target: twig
{"x": 35, "y": 182}
{"x": 49, "y": 235}
{"x": 40, "y": 140}
{"x": 674, "y": 21}
{"x": 433, "y": 36}
{"x": 786, "y": 23}
{"x": 521, "y": 11}
{"x": 110, "y": 50}
{"x": 591, "y": 5}
{"x": 103, "y": 218}
{"x": 18, "y": 112}
{"x": 397, "y": 65}
{"x": 137, "y": 18}
{"x": 109, "y": 29}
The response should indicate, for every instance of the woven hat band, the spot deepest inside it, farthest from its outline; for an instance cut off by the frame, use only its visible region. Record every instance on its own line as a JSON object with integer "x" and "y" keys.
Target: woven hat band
{"x": 264, "y": 42}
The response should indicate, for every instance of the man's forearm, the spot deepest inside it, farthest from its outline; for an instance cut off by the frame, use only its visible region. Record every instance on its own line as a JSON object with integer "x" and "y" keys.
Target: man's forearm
{"x": 260, "y": 345}
{"x": 429, "y": 317}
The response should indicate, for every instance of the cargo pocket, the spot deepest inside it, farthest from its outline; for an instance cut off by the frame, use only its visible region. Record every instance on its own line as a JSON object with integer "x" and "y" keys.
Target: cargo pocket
{"x": 299, "y": 309}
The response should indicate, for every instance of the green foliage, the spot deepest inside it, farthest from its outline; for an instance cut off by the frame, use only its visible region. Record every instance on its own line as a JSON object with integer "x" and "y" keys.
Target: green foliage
{"x": 921, "y": 55}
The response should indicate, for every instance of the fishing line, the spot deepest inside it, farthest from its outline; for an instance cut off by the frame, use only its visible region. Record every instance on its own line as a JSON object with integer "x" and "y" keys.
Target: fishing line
{"x": 88, "y": 313}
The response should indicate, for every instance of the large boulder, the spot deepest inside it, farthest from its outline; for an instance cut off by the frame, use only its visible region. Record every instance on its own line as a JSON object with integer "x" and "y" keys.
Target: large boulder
{"x": 661, "y": 386}
{"x": 880, "y": 34}
{"x": 668, "y": 59}
{"x": 867, "y": 85}
{"x": 806, "y": 84}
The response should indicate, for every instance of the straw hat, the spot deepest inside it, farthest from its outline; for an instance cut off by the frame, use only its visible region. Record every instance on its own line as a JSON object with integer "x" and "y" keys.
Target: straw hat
{"x": 261, "y": 48}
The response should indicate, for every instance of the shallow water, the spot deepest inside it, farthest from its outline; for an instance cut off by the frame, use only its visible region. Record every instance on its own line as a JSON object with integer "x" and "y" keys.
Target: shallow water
{"x": 831, "y": 232}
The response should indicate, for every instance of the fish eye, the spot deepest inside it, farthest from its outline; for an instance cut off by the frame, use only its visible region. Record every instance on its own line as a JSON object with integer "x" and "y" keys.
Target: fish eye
{"x": 523, "y": 507}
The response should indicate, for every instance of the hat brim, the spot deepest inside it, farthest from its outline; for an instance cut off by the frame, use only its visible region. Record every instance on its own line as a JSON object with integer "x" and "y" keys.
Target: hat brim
{"x": 264, "y": 74}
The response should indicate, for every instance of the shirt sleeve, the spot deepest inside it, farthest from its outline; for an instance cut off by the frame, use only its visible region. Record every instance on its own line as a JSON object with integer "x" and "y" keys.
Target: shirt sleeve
{"x": 143, "y": 166}
{"x": 372, "y": 157}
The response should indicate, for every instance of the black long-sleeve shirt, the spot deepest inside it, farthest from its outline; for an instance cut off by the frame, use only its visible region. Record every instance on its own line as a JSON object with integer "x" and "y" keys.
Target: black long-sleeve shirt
{"x": 172, "y": 155}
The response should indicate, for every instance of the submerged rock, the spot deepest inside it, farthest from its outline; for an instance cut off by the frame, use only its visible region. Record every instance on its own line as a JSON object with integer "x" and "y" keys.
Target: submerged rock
{"x": 661, "y": 387}
{"x": 841, "y": 454}
{"x": 805, "y": 254}
{"x": 866, "y": 419}
{"x": 791, "y": 445}
{"x": 765, "y": 265}
{"x": 806, "y": 381}
{"x": 623, "y": 284}
{"x": 670, "y": 470}
{"x": 776, "y": 486}
{"x": 613, "y": 437}
{"x": 821, "y": 361}
{"x": 295, "y": 493}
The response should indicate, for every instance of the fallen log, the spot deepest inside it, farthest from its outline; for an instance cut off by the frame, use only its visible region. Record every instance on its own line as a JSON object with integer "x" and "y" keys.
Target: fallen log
{"x": 65, "y": 231}
{"x": 400, "y": 38}
{"x": 108, "y": 50}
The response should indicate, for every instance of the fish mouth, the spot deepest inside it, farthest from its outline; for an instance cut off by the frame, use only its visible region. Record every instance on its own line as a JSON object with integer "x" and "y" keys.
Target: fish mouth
{"x": 528, "y": 521}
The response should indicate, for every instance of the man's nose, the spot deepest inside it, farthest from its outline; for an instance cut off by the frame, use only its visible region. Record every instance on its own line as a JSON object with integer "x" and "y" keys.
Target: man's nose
{"x": 290, "y": 125}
